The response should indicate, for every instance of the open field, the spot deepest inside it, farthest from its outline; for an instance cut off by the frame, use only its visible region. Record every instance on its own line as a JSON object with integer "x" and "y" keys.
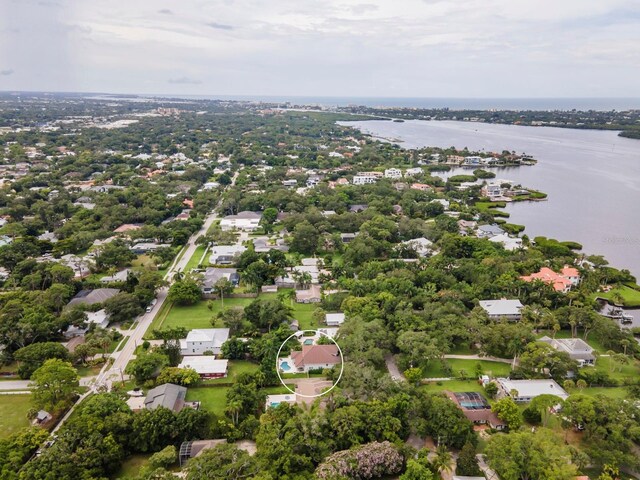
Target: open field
{"x": 13, "y": 413}
{"x": 630, "y": 296}
{"x": 453, "y": 386}
{"x": 213, "y": 399}
{"x": 436, "y": 369}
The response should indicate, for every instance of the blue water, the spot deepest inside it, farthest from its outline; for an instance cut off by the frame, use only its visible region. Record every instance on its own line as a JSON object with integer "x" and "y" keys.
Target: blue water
{"x": 285, "y": 366}
{"x": 308, "y": 342}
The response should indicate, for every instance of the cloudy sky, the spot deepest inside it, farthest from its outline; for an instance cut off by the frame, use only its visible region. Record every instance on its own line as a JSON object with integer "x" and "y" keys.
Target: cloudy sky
{"x": 388, "y": 48}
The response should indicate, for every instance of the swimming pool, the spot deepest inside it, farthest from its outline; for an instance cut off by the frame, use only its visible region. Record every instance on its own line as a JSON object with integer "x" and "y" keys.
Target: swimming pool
{"x": 308, "y": 342}
{"x": 285, "y": 366}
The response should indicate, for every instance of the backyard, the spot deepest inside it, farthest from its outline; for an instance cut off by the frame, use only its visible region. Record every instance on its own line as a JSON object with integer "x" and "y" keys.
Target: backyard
{"x": 630, "y": 295}
{"x": 13, "y": 413}
{"x": 436, "y": 368}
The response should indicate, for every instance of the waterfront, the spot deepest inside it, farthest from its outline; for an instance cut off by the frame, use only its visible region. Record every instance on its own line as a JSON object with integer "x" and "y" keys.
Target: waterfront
{"x": 592, "y": 178}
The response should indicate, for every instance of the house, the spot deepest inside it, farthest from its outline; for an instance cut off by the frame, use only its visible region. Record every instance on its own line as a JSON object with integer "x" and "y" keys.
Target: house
{"x": 578, "y": 349}
{"x": 288, "y": 280}
{"x": 393, "y": 173}
{"x": 203, "y": 340}
{"x": 357, "y": 208}
{"x": 413, "y": 171}
{"x": 472, "y": 160}
{"x": 476, "y": 409}
{"x": 502, "y": 309}
{"x": 422, "y": 187}
{"x": 100, "y": 319}
{"x": 466, "y": 226}
{"x": 91, "y": 297}
{"x": 422, "y": 246}
{"x": 509, "y": 243}
{"x": 42, "y": 417}
{"x": 225, "y": 254}
{"x": 212, "y": 275}
{"x": 275, "y": 400}
{"x": 311, "y": 295}
{"x": 562, "y": 282}
{"x": 146, "y": 247}
{"x": 247, "y": 221}
{"x": 315, "y": 357}
{"x": 263, "y": 245}
{"x": 488, "y": 231}
{"x": 166, "y": 395}
{"x": 290, "y": 183}
{"x": 364, "y": 179}
{"x": 334, "y": 319}
{"x": 491, "y": 191}
{"x": 347, "y": 237}
{"x": 120, "y": 276}
{"x": 523, "y": 391}
{"x": 127, "y": 227}
{"x": 195, "y": 448}
{"x": 206, "y": 366}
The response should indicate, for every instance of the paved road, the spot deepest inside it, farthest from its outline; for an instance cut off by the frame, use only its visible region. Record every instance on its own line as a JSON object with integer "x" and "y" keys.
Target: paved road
{"x": 394, "y": 371}
{"x": 24, "y": 384}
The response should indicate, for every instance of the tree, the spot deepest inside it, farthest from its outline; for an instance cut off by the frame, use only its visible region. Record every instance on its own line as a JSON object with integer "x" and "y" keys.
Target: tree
{"x": 185, "y": 292}
{"x": 491, "y": 389}
{"x": 264, "y": 314}
{"x": 543, "y": 405}
{"x": 223, "y": 462}
{"x": 417, "y": 469}
{"x": 146, "y": 366}
{"x": 305, "y": 238}
{"x": 54, "y": 384}
{"x": 467, "y": 463}
{"x": 442, "y": 462}
{"x": 413, "y": 375}
{"x": 533, "y": 456}
{"x": 123, "y": 307}
{"x": 372, "y": 460}
{"x": 507, "y": 411}
{"x": 232, "y": 318}
{"x": 440, "y": 418}
{"x": 33, "y": 356}
{"x": 223, "y": 287}
{"x": 539, "y": 358}
{"x": 187, "y": 377}
{"x": 234, "y": 349}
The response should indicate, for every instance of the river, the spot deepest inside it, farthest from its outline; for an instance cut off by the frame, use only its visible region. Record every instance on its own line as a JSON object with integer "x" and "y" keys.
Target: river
{"x": 592, "y": 178}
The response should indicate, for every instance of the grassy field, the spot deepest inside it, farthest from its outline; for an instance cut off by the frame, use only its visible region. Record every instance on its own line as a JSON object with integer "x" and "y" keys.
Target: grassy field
{"x": 236, "y": 367}
{"x": 454, "y": 386}
{"x": 436, "y": 369}
{"x": 132, "y": 465}
{"x": 608, "y": 366}
{"x": 303, "y": 313}
{"x": 194, "y": 261}
{"x": 213, "y": 399}
{"x": 630, "y": 296}
{"x": 13, "y": 413}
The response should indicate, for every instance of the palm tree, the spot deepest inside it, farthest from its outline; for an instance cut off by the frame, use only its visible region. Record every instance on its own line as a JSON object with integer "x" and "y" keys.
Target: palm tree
{"x": 442, "y": 462}
{"x": 178, "y": 276}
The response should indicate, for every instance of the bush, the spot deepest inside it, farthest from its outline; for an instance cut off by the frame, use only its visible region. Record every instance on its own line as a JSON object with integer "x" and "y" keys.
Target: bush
{"x": 373, "y": 460}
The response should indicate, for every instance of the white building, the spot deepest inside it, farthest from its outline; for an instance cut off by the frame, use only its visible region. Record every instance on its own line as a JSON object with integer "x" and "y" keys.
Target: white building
{"x": 275, "y": 400}
{"x": 576, "y": 348}
{"x": 422, "y": 246}
{"x": 509, "y": 243}
{"x": 410, "y": 172}
{"x": 207, "y": 366}
{"x": 100, "y": 319}
{"x": 247, "y": 221}
{"x": 334, "y": 319}
{"x": 473, "y": 160}
{"x": 523, "y": 391}
{"x": 502, "y": 309}
{"x": 199, "y": 341}
{"x": 364, "y": 179}
{"x": 225, "y": 254}
{"x": 393, "y": 173}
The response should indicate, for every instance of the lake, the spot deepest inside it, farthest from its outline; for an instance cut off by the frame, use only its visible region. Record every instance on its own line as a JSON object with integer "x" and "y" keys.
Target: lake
{"x": 592, "y": 178}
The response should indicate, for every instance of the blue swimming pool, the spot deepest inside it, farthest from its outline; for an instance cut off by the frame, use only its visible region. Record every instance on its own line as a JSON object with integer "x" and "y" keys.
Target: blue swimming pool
{"x": 285, "y": 366}
{"x": 308, "y": 342}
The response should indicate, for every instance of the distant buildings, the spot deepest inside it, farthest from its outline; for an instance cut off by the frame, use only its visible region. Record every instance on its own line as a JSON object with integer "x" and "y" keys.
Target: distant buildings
{"x": 364, "y": 179}
{"x": 509, "y": 243}
{"x": 422, "y": 246}
{"x": 199, "y": 341}
{"x": 502, "y": 309}
{"x": 393, "y": 173}
{"x": 576, "y": 348}
{"x": 561, "y": 282}
{"x": 523, "y": 391}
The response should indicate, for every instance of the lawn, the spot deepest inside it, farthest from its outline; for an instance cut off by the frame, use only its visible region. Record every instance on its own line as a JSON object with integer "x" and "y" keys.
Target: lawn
{"x": 436, "y": 369}
{"x": 236, "y": 367}
{"x": 620, "y": 372}
{"x": 131, "y": 466}
{"x": 195, "y": 259}
{"x": 303, "y": 313}
{"x": 454, "y": 386}
{"x": 213, "y": 399}
{"x": 630, "y": 296}
{"x": 13, "y": 413}
{"x": 613, "y": 392}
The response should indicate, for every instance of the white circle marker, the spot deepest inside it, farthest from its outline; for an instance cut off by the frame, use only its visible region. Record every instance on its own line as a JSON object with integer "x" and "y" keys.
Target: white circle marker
{"x": 300, "y": 333}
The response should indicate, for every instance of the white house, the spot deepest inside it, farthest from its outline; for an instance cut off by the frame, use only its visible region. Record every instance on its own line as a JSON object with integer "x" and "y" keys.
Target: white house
{"x": 410, "y": 172}
{"x": 364, "y": 179}
{"x": 334, "y": 319}
{"x": 199, "y": 341}
{"x": 207, "y": 366}
{"x": 509, "y": 243}
{"x": 247, "y": 221}
{"x": 275, "y": 400}
{"x": 422, "y": 246}
{"x": 578, "y": 349}
{"x": 473, "y": 160}
{"x": 393, "y": 173}
{"x": 488, "y": 231}
{"x": 225, "y": 254}
{"x": 523, "y": 391}
{"x": 502, "y": 309}
{"x": 492, "y": 190}
{"x": 100, "y": 319}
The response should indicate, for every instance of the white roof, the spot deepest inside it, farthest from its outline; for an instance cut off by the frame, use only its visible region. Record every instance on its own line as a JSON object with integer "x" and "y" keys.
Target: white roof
{"x": 334, "y": 318}
{"x": 509, "y": 243}
{"x": 227, "y": 249}
{"x": 533, "y": 388}
{"x": 204, "y": 364}
{"x": 501, "y": 307}
{"x": 216, "y": 335}
{"x": 275, "y": 400}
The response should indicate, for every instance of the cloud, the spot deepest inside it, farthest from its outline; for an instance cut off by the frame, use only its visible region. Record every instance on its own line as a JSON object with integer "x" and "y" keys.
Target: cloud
{"x": 219, "y": 26}
{"x": 185, "y": 81}
{"x": 165, "y": 11}
{"x": 364, "y": 8}
{"x": 6, "y": 72}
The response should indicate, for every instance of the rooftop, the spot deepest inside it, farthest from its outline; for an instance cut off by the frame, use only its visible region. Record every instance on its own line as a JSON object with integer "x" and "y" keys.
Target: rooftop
{"x": 501, "y": 307}
{"x": 167, "y": 395}
{"x": 533, "y": 388}
{"x": 315, "y": 355}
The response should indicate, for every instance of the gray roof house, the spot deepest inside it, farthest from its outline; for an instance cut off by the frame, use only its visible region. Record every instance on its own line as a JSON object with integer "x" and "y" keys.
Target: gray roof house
{"x": 578, "y": 349}
{"x": 91, "y": 297}
{"x": 502, "y": 309}
{"x": 488, "y": 231}
{"x": 167, "y": 395}
{"x": 212, "y": 275}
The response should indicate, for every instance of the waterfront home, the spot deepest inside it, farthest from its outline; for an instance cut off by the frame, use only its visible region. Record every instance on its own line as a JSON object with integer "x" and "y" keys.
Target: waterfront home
{"x": 476, "y": 409}
{"x": 523, "y": 391}
{"x": 200, "y": 341}
{"x": 488, "y": 231}
{"x": 502, "y": 309}
{"x": 561, "y": 282}
{"x": 466, "y": 226}
{"x": 472, "y": 160}
{"x": 393, "y": 173}
{"x": 315, "y": 357}
{"x": 246, "y": 221}
{"x": 576, "y": 348}
{"x": 225, "y": 254}
{"x": 509, "y": 243}
{"x": 364, "y": 179}
{"x": 334, "y": 319}
{"x": 410, "y": 172}
{"x": 213, "y": 275}
{"x": 492, "y": 191}
{"x": 207, "y": 366}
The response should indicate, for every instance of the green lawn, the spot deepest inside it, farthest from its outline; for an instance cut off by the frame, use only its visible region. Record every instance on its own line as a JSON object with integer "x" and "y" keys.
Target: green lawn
{"x": 13, "y": 413}
{"x": 132, "y": 465}
{"x": 194, "y": 261}
{"x": 614, "y": 392}
{"x": 236, "y": 367}
{"x": 608, "y": 366}
{"x": 303, "y": 313}
{"x": 454, "y": 386}
{"x": 630, "y": 296}
{"x": 213, "y": 399}
{"x": 436, "y": 369}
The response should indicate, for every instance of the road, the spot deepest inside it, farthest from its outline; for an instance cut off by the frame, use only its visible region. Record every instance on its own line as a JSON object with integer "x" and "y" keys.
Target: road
{"x": 24, "y": 384}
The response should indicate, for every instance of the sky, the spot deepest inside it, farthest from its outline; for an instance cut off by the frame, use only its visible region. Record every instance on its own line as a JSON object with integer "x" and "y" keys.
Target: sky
{"x": 359, "y": 48}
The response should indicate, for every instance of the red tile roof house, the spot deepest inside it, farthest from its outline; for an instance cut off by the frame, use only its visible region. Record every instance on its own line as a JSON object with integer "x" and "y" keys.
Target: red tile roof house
{"x": 476, "y": 409}
{"x": 561, "y": 282}
{"x": 314, "y": 357}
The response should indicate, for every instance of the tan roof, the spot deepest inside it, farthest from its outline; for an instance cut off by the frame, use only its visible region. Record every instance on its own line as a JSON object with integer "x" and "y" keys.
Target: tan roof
{"x": 316, "y": 354}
